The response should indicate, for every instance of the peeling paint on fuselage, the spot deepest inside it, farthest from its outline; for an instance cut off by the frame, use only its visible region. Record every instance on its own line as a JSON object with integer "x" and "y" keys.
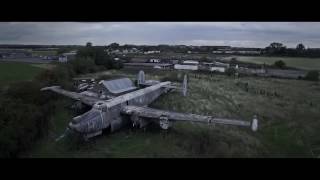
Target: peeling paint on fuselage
{"x": 111, "y": 109}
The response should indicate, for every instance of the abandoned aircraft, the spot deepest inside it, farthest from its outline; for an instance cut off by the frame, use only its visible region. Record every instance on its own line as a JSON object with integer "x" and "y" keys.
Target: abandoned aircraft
{"x": 130, "y": 108}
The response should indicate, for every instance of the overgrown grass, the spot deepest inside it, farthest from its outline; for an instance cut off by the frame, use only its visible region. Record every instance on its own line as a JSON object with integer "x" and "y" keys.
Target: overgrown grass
{"x": 288, "y": 122}
{"x": 12, "y": 72}
{"x": 297, "y": 62}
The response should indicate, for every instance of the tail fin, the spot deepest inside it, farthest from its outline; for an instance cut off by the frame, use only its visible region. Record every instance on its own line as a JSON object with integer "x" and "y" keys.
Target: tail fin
{"x": 254, "y": 123}
{"x": 185, "y": 85}
{"x": 141, "y": 77}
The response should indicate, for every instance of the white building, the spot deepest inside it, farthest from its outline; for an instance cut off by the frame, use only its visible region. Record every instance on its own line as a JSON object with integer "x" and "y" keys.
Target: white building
{"x": 218, "y": 69}
{"x": 154, "y": 60}
{"x": 152, "y": 52}
{"x": 191, "y": 62}
{"x": 63, "y": 59}
{"x": 66, "y": 56}
{"x": 186, "y": 67}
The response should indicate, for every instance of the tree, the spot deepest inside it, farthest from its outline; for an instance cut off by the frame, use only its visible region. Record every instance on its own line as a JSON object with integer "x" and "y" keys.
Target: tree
{"x": 83, "y": 65}
{"x": 279, "y": 64}
{"x": 300, "y": 47}
{"x": 89, "y": 44}
{"x": 276, "y": 48}
{"x": 99, "y": 57}
{"x": 276, "y": 45}
{"x": 114, "y": 45}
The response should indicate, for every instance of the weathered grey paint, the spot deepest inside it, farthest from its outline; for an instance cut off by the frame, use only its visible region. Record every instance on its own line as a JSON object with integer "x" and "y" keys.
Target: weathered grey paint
{"x": 110, "y": 113}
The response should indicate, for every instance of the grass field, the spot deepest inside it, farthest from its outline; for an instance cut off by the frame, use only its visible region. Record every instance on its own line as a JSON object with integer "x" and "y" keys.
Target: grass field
{"x": 44, "y": 53}
{"x": 297, "y": 62}
{"x": 289, "y": 122}
{"x": 16, "y": 71}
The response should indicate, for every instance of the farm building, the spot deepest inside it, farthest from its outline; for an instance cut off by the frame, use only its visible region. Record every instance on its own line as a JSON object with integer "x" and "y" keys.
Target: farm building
{"x": 154, "y": 60}
{"x": 149, "y": 65}
{"x": 138, "y": 60}
{"x": 251, "y": 70}
{"x": 217, "y": 69}
{"x": 151, "y": 52}
{"x": 186, "y": 67}
{"x": 190, "y": 62}
{"x": 65, "y": 57}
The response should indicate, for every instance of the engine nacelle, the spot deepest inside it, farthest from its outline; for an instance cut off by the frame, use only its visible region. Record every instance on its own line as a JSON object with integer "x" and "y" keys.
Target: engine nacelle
{"x": 164, "y": 122}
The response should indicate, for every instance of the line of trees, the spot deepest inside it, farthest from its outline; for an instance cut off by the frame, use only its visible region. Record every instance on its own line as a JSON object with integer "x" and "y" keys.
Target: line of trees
{"x": 278, "y": 49}
{"x": 91, "y": 59}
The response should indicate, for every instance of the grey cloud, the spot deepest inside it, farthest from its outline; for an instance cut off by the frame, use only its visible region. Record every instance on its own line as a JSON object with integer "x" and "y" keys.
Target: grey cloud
{"x": 253, "y": 34}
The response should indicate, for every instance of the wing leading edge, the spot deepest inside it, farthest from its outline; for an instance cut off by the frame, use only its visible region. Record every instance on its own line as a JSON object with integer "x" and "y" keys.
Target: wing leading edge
{"x": 163, "y": 115}
{"x": 73, "y": 95}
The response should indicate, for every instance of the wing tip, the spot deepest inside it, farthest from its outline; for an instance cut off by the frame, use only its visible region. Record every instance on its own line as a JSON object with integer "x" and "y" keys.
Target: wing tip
{"x": 49, "y": 88}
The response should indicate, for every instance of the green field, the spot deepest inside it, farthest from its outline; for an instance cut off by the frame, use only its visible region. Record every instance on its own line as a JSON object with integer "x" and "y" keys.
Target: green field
{"x": 289, "y": 122}
{"x": 297, "y": 62}
{"x": 44, "y": 53}
{"x": 15, "y": 71}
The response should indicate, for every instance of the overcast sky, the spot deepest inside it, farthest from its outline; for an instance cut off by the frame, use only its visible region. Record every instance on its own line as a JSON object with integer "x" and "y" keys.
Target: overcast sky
{"x": 245, "y": 34}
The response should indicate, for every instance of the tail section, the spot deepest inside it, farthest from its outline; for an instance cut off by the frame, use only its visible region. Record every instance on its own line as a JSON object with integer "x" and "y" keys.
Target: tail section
{"x": 185, "y": 85}
{"x": 141, "y": 78}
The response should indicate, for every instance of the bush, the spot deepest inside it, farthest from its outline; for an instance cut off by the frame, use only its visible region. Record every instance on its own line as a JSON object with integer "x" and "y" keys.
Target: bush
{"x": 312, "y": 76}
{"x": 279, "y": 64}
{"x": 83, "y": 65}
{"x": 230, "y": 71}
{"x": 24, "y": 113}
{"x": 61, "y": 75}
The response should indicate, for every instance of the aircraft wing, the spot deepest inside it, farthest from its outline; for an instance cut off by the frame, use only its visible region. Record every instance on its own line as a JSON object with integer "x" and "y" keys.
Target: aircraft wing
{"x": 73, "y": 95}
{"x": 164, "y": 117}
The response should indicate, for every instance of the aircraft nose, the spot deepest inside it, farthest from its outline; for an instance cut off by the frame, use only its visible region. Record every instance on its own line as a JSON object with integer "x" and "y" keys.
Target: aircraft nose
{"x": 90, "y": 121}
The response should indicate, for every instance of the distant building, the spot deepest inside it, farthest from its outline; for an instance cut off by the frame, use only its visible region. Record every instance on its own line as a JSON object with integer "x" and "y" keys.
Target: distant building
{"x": 186, "y": 67}
{"x": 217, "y": 69}
{"x": 65, "y": 57}
{"x": 149, "y": 65}
{"x": 138, "y": 60}
{"x": 154, "y": 60}
{"x": 191, "y": 62}
{"x": 174, "y": 61}
{"x": 151, "y": 52}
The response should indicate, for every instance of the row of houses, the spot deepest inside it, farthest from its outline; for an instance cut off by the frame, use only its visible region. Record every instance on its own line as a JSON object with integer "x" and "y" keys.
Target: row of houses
{"x": 131, "y": 51}
{"x": 182, "y": 65}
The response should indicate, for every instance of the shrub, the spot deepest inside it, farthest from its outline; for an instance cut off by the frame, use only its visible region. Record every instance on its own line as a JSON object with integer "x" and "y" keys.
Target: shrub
{"x": 279, "y": 64}
{"x": 230, "y": 71}
{"x": 312, "y": 76}
{"x": 24, "y": 113}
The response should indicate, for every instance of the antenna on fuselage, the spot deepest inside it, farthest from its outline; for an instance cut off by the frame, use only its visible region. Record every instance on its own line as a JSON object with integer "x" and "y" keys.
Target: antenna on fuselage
{"x": 141, "y": 78}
